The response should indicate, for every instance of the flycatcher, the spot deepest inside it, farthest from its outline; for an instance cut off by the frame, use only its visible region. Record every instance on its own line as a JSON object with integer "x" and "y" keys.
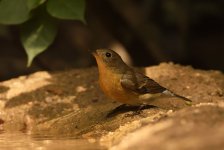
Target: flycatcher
{"x": 121, "y": 83}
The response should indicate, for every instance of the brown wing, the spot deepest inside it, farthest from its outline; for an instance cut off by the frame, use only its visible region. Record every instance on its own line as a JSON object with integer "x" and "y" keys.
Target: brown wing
{"x": 140, "y": 83}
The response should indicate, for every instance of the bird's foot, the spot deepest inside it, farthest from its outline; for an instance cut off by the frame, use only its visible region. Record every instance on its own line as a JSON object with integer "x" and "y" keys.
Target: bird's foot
{"x": 143, "y": 107}
{"x": 126, "y": 108}
{"x": 121, "y": 109}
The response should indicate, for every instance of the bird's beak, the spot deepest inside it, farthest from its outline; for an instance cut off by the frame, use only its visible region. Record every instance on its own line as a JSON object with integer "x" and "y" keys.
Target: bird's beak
{"x": 94, "y": 53}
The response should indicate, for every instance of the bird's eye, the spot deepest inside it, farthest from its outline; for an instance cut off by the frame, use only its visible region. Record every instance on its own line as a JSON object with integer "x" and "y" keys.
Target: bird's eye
{"x": 108, "y": 54}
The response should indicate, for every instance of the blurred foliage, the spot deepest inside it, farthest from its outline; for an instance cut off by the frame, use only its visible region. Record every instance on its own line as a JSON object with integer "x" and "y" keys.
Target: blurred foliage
{"x": 38, "y": 20}
{"x": 188, "y": 32}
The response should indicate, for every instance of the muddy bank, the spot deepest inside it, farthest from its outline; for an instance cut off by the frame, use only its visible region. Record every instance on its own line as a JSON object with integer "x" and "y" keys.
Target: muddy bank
{"x": 70, "y": 103}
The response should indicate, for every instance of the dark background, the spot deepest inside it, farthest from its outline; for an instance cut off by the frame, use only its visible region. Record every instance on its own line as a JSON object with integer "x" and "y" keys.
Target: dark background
{"x": 188, "y": 32}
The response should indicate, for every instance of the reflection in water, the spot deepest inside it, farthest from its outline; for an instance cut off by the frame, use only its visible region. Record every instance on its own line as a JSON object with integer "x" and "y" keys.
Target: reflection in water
{"x": 22, "y": 141}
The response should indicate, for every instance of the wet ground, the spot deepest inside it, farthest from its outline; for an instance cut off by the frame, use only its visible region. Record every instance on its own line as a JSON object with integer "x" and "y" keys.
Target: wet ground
{"x": 24, "y": 141}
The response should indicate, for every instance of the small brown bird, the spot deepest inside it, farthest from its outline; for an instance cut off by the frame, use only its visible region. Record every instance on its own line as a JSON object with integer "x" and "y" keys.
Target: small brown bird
{"x": 121, "y": 83}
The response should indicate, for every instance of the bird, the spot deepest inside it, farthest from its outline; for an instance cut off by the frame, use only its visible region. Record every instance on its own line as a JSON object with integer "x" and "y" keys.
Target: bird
{"x": 123, "y": 84}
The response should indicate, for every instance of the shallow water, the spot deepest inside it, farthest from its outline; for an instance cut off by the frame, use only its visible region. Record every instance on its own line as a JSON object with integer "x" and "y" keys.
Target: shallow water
{"x": 23, "y": 141}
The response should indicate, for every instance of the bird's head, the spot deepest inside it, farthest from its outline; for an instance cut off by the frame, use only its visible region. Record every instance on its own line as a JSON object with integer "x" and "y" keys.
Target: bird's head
{"x": 108, "y": 58}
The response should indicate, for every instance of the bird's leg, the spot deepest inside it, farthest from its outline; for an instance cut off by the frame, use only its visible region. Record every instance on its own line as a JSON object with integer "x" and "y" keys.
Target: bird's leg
{"x": 120, "y": 109}
{"x": 141, "y": 108}
{"x": 136, "y": 109}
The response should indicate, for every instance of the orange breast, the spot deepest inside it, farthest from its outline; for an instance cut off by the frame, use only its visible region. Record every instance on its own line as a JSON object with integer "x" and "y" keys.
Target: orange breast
{"x": 109, "y": 81}
{"x": 110, "y": 84}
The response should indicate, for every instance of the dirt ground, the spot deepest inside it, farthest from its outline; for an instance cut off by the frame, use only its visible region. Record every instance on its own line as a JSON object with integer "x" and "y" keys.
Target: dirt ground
{"x": 70, "y": 103}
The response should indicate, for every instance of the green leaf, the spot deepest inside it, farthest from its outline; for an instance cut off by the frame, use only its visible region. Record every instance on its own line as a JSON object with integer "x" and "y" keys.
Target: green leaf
{"x": 36, "y": 36}
{"x": 13, "y": 11}
{"x": 34, "y": 3}
{"x": 67, "y": 9}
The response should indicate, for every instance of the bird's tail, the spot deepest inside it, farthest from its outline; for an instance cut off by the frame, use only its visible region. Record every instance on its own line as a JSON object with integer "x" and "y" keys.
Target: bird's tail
{"x": 169, "y": 93}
